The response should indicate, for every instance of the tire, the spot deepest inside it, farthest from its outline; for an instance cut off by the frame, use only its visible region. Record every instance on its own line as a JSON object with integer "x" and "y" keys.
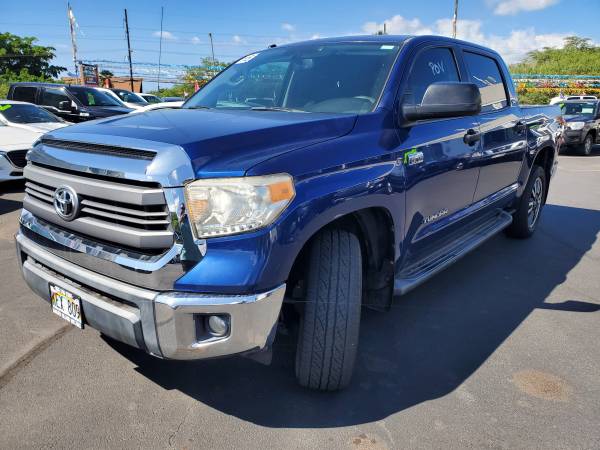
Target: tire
{"x": 525, "y": 220}
{"x": 330, "y": 322}
{"x": 586, "y": 148}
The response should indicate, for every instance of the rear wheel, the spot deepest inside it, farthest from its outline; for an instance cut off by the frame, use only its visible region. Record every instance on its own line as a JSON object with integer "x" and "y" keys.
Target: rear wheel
{"x": 525, "y": 218}
{"x": 586, "y": 147}
{"x": 330, "y": 321}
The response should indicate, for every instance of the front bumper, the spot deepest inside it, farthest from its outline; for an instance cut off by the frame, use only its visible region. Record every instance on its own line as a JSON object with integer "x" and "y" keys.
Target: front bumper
{"x": 8, "y": 171}
{"x": 165, "y": 324}
{"x": 573, "y": 137}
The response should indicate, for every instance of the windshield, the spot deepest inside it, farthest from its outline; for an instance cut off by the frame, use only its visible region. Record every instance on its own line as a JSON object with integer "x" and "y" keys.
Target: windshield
{"x": 329, "y": 78}
{"x": 129, "y": 97}
{"x": 152, "y": 99}
{"x": 16, "y": 113}
{"x": 578, "y": 109}
{"x": 93, "y": 97}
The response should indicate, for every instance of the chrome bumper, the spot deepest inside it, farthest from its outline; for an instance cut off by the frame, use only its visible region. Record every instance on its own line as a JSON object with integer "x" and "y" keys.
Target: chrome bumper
{"x": 165, "y": 324}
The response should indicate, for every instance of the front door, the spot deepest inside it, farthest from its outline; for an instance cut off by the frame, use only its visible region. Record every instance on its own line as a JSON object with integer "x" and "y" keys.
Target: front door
{"x": 439, "y": 170}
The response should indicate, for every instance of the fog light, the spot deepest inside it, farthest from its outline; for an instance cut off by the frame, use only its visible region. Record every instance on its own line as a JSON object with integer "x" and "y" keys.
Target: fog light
{"x": 218, "y": 325}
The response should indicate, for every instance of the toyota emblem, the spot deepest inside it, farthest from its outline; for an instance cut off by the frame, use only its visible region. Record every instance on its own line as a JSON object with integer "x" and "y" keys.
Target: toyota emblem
{"x": 66, "y": 203}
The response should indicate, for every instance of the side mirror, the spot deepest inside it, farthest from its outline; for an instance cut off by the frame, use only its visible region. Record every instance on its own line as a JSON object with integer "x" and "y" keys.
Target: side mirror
{"x": 64, "y": 105}
{"x": 445, "y": 99}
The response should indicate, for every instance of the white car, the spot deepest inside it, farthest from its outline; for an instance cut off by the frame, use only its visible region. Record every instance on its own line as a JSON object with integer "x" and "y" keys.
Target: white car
{"x": 565, "y": 98}
{"x": 155, "y": 106}
{"x": 21, "y": 124}
{"x": 151, "y": 98}
{"x": 127, "y": 98}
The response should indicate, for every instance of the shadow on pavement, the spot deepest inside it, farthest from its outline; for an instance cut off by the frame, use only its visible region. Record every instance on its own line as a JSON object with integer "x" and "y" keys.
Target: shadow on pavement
{"x": 7, "y": 206}
{"x": 431, "y": 341}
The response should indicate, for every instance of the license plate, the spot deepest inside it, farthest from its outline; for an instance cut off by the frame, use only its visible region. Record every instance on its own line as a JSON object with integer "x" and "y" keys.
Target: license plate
{"x": 66, "y": 305}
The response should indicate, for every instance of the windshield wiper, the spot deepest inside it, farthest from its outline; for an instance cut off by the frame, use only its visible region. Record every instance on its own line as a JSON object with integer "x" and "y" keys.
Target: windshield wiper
{"x": 276, "y": 108}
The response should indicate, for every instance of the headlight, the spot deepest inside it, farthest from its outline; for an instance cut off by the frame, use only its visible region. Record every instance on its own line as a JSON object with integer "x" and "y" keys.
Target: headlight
{"x": 224, "y": 206}
{"x": 576, "y": 125}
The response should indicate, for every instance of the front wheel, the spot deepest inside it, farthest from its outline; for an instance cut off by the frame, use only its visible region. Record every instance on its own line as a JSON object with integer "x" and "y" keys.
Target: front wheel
{"x": 525, "y": 218}
{"x": 330, "y": 321}
{"x": 586, "y": 147}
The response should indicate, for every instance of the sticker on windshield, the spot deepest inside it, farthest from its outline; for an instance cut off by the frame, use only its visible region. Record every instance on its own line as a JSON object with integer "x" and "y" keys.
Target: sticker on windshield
{"x": 4, "y": 107}
{"x": 387, "y": 47}
{"x": 245, "y": 59}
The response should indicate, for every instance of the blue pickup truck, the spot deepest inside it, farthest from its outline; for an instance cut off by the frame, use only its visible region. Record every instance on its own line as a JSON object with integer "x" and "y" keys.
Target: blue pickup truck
{"x": 303, "y": 183}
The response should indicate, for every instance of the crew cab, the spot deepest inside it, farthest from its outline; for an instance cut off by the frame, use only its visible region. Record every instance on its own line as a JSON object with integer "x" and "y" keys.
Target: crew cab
{"x": 303, "y": 183}
{"x": 582, "y": 124}
{"x": 70, "y": 102}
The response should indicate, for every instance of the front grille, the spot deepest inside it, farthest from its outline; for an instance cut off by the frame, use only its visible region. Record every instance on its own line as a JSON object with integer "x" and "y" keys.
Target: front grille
{"x": 112, "y": 150}
{"x": 129, "y": 215}
{"x": 17, "y": 157}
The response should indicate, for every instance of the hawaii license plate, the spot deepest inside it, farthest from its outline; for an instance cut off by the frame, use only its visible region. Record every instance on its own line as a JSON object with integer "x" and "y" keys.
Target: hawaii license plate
{"x": 66, "y": 305}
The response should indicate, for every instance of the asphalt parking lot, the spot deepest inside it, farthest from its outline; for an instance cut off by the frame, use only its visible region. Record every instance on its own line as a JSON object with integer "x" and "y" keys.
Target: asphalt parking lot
{"x": 502, "y": 350}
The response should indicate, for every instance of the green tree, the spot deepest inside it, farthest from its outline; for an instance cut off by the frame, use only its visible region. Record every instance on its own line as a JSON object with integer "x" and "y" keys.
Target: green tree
{"x": 201, "y": 74}
{"x": 18, "y": 53}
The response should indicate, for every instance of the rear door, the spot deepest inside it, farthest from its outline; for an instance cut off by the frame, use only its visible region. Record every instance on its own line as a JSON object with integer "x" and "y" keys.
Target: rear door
{"x": 24, "y": 93}
{"x": 503, "y": 134}
{"x": 440, "y": 179}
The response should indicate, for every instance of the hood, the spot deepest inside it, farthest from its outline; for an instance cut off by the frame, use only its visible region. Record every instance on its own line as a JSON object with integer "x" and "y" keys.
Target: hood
{"x": 12, "y": 138}
{"x": 39, "y": 127}
{"x": 221, "y": 143}
{"x": 576, "y": 118}
{"x": 107, "y": 111}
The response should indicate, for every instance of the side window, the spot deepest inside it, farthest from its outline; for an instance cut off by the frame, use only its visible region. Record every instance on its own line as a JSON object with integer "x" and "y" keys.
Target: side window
{"x": 53, "y": 97}
{"x": 24, "y": 93}
{"x": 431, "y": 66}
{"x": 485, "y": 73}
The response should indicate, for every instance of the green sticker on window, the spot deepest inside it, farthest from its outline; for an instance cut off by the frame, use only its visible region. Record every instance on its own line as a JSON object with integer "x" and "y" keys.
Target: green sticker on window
{"x": 91, "y": 99}
{"x": 4, "y": 107}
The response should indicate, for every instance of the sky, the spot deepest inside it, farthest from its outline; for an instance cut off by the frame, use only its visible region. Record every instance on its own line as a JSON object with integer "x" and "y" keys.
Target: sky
{"x": 512, "y": 27}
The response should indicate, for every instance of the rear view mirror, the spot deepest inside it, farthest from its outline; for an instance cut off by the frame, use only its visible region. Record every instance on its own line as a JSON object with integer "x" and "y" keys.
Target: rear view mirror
{"x": 445, "y": 99}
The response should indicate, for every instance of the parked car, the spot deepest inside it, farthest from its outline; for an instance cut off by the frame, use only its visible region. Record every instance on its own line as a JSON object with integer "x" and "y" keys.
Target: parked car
{"x": 173, "y": 99}
{"x": 70, "y": 102}
{"x": 303, "y": 183}
{"x": 130, "y": 99}
{"x": 582, "y": 124}
{"x": 21, "y": 124}
{"x": 28, "y": 116}
{"x": 151, "y": 98}
{"x": 560, "y": 99}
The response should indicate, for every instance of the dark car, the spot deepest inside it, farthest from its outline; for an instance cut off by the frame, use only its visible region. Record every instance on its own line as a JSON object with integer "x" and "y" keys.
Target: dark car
{"x": 305, "y": 182}
{"x": 582, "y": 124}
{"x": 72, "y": 103}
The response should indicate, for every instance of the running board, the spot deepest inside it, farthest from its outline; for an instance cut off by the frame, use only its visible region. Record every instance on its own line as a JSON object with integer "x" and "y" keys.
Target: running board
{"x": 419, "y": 272}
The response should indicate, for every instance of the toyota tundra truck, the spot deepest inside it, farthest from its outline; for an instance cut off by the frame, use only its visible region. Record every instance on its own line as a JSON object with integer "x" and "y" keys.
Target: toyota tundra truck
{"x": 303, "y": 183}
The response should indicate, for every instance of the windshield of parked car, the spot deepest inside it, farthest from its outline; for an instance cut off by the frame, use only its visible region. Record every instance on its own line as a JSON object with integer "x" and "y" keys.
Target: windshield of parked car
{"x": 129, "y": 97}
{"x": 315, "y": 77}
{"x": 93, "y": 97}
{"x": 17, "y": 113}
{"x": 578, "y": 108}
{"x": 152, "y": 99}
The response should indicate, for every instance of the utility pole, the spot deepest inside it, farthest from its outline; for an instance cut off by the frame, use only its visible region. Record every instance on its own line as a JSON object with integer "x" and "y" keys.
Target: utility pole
{"x": 384, "y": 28}
{"x": 212, "y": 47}
{"x": 73, "y": 43}
{"x": 129, "y": 51}
{"x": 454, "y": 19}
{"x": 162, "y": 10}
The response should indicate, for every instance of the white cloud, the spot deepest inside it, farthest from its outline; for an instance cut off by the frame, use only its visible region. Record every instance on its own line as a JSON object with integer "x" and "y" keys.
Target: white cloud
{"x": 513, "y": 46}
{"x": 315, "y": 36}
{"x": 237, "y": 39}
{"x": 166, "y": 35}
{"x": 195, "y": 40}
{"x": 512, "y": 7}
{"x": 288, "y": 27}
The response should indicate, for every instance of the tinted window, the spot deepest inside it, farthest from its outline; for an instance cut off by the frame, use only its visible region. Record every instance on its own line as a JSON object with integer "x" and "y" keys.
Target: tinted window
{"x": 93, "y": 97}
{"x": 129, "y": 97}
{"x": 24, "y": 94}
{"x": 27, "y": 114}
{"x": 312, "y": 77}
{"x": 53, "y": 97}
{"x": 431, "y": 66}
{"x": 485, "y": 73}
